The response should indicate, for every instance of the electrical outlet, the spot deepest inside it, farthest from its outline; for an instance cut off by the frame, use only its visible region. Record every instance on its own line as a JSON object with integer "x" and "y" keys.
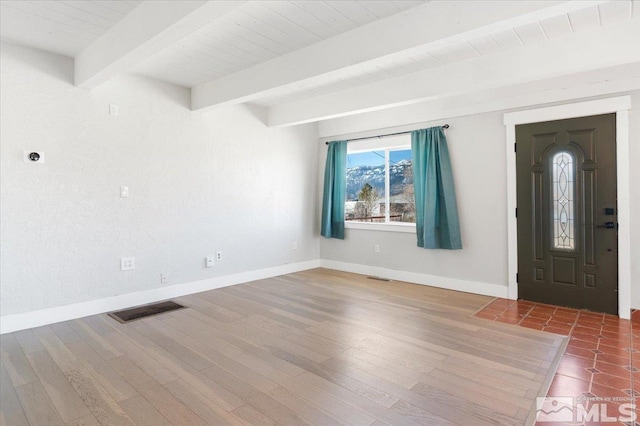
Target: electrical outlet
{"x": 376, "y": 248}
{"x": 124, "y": 192}
{"x": 294, "y": 245}
{"x": 127, "y": 263}
{"x": 163, "y": 278}
{"x": 219, "y": 255}
{"x": 208, "y": 261}
{"x": 114, "y": 109}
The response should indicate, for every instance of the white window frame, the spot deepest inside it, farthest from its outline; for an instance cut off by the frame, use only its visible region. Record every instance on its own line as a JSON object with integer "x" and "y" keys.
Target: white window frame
{"x": 386, "y": 143}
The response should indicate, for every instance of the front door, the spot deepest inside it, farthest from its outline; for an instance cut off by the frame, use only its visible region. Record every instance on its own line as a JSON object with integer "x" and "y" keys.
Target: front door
{"x": 567, "y": 215}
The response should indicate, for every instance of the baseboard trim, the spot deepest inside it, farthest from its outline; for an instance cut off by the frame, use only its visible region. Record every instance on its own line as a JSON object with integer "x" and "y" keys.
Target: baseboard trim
{"x": 17, "y": 322}
{"x": 486, "y": 289}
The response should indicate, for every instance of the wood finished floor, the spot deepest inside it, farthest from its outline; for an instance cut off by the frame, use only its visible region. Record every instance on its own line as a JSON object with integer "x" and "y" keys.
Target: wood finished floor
{"x": 602, "y": 359}
{"x": 316, "y": 347}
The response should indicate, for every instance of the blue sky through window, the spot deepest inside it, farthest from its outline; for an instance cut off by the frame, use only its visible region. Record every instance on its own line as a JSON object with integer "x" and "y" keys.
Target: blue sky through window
{"x": 371, "y": 158}
{"x": 376, "y": 158}
{"x": 397, "y": 156}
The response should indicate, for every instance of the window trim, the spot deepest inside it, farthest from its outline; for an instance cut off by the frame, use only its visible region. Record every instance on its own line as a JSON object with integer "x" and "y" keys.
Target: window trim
{"x": 386, "y": 227}
{"x": 394, "y": 143}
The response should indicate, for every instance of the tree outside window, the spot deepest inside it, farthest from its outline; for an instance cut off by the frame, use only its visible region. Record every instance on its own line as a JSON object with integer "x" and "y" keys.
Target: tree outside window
{"x": 380, "y": 186}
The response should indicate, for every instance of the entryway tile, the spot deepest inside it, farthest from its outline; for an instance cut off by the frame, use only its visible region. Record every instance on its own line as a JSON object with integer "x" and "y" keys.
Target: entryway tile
{"x": 602, "y": 358}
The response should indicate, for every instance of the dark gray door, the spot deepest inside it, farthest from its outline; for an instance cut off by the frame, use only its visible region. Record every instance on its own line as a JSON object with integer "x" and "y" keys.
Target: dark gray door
{"x": 567, "y": 214}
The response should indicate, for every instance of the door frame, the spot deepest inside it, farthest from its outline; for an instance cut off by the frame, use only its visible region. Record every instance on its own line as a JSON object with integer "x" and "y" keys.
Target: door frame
{"x": 620, "y": 106}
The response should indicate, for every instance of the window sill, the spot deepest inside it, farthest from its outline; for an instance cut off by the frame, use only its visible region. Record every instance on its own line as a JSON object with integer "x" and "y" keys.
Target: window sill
{"x": 387, "y": 227}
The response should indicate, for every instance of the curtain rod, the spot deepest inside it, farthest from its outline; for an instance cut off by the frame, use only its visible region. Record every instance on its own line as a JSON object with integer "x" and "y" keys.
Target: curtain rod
{"x": 446, "y": 126}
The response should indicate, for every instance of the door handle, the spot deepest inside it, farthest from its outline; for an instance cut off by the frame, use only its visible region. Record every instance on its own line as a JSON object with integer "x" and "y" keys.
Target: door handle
{"x": 607, "y": 225}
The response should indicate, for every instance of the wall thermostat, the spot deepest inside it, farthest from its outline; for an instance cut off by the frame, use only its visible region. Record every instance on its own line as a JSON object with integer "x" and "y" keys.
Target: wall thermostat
{"x": 34, "y": 157}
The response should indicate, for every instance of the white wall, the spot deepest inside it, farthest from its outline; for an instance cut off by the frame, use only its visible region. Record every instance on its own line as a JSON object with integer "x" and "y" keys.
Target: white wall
{"x": 477, "y": 147}
{"x": 221, "y": 181}
{"x": 199, "y": 183}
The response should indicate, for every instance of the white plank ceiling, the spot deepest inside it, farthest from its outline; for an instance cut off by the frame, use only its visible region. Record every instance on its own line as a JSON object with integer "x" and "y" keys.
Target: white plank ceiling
{"x": 259, "y": 31}
{"x": 255, "y": 32}
{"x": 64, "y": 27}
{"x": 611, "y": 13}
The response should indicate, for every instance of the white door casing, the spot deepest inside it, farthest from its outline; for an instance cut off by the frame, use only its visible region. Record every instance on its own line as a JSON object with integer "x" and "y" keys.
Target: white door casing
{"x": 618, "y": 105}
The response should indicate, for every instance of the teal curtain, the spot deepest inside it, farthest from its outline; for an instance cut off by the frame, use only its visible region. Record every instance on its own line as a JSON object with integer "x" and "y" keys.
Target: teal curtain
{"x": 335, "y": 187}
{"x": 437, "y": 222}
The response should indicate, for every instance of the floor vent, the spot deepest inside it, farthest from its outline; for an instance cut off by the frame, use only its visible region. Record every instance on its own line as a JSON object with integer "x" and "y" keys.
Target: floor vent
{"x": 379, "y": 279}
{"x": 144, "y": 311}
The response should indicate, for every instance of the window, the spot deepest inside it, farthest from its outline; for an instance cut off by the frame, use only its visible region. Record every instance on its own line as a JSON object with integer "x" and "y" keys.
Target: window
{"x": 380, "y": 182}
{"x": 563, "y": 200}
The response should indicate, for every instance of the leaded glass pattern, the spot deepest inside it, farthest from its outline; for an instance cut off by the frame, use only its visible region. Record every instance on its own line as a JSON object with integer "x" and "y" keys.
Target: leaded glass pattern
{"x": 563, "y": 165}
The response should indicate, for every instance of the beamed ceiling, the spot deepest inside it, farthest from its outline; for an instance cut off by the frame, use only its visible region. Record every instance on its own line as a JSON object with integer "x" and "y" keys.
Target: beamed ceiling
{"x": 311, "y": 60}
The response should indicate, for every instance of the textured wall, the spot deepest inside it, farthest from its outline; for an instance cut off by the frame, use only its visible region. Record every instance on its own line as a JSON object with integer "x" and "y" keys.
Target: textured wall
{"x": 199, "y": 183}
{"x": 477, "y": 147}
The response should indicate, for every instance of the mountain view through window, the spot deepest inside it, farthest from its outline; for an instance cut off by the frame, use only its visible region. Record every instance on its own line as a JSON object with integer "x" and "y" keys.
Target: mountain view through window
{"x": 377, "y": 192}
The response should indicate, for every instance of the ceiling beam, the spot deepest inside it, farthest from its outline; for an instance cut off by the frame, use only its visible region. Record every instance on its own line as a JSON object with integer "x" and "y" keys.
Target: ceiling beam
{"x": 590, "y": 50}
{"x": 588, "y": 84}
{"x": 412, "y": 32}
{"x": 145, "y": 31}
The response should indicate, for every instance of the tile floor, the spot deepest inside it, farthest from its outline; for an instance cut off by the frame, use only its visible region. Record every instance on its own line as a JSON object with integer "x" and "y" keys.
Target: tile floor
{"x": 602, "y": 359}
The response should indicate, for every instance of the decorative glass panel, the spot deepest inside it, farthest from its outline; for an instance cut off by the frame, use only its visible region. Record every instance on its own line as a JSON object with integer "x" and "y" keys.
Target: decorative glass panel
{"x": 563, "y": 201}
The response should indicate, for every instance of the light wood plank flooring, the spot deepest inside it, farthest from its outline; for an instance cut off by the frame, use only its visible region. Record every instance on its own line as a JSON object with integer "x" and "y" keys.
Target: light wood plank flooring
{"x": 316, "y": 347}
